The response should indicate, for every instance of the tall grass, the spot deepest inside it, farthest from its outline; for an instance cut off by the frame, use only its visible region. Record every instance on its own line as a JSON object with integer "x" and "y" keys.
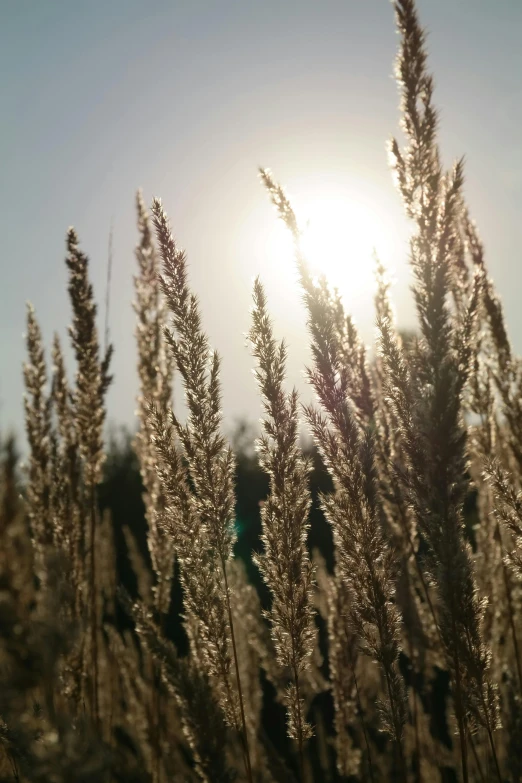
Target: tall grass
{"x": 422, "y": 443}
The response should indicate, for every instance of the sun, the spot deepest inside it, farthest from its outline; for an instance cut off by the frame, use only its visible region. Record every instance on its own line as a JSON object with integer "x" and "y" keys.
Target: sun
{"x": 343, "y": 230}
{"x": 344, "y": 225}
{"x": 340, "y": 239}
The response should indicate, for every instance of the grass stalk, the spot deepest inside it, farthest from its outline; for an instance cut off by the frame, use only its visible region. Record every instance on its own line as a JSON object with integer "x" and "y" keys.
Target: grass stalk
{"x": 93, "y": 607}
{"x": 363, "y": 725}
{"x": 511, "y": 611}
{"x": 476, "y": 759}
{"x": 246, "y": 748}
{"x": 299, "y": 725}
{"x": 459, "y": 706}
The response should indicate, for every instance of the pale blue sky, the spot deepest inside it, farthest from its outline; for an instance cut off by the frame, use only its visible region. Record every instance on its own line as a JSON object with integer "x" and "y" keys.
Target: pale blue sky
{"x": 185, "y": 99}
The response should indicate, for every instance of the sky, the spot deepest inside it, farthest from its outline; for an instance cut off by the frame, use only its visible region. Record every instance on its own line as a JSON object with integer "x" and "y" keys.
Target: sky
{"x": 186, "y": 100}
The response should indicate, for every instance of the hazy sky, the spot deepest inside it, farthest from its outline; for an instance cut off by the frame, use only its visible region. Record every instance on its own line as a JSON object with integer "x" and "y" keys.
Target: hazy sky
{"x": 186, "y": 99}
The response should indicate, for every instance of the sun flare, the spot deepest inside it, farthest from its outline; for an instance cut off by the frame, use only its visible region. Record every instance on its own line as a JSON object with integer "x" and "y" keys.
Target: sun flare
{"x": 341, "y": 235}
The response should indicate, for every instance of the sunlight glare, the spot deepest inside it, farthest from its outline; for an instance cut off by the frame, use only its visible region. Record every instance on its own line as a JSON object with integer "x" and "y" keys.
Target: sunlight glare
{"x": 344, "y": 225}
{"x": 340, "y": 237}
